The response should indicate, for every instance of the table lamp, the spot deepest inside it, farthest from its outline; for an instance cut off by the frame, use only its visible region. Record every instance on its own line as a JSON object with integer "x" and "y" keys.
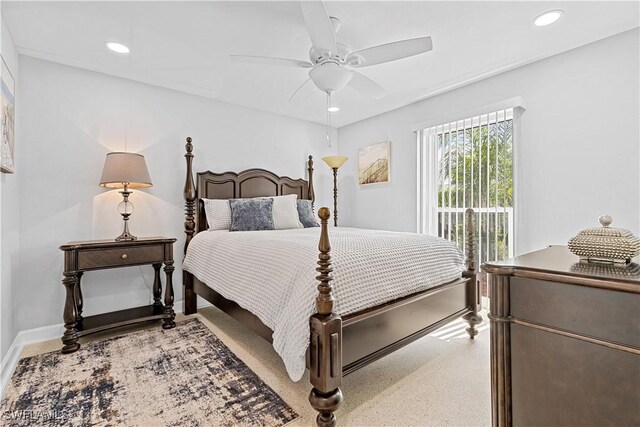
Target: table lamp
{"x": 334, "y": 162}
{"x": 125, "y": 170}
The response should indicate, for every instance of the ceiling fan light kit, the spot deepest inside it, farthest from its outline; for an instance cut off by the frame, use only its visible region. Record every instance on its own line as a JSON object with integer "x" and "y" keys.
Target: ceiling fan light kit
{"x": 330, "y": 77}
{"x": 329, "y": 59}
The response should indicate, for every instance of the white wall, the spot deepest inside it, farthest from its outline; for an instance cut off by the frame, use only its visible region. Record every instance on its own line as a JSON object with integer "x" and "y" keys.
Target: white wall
{"x": 9, "y": 218}
{"x": 579, "y": 145}
{"x": 70, "y": 119}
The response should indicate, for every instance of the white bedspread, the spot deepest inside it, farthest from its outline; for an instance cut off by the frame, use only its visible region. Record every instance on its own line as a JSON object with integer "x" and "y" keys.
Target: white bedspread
{"x": 272, "y": 274}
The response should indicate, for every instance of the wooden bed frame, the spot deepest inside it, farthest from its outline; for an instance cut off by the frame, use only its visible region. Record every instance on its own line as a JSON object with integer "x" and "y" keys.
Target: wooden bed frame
{"x": 338, "y": 345}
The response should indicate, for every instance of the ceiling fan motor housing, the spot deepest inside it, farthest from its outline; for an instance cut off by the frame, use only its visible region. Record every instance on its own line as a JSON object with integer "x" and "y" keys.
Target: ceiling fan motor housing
{"x": 317, "y": 56}
{"x": 330, "y": 77}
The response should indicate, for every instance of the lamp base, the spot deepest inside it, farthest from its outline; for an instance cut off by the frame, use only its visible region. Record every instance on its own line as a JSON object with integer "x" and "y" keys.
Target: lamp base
{"x": 125, "y": 236}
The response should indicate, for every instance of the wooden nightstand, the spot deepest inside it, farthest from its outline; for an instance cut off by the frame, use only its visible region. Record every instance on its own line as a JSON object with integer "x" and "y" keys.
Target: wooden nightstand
{"x": 103, "y": 254}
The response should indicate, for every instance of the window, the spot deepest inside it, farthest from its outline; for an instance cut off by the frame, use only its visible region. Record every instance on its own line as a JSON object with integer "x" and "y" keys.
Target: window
{"x": 469, "y": 164}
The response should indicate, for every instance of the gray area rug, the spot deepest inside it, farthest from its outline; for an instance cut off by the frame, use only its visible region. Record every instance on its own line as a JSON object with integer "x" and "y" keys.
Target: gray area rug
{"x": 179, "y": 377}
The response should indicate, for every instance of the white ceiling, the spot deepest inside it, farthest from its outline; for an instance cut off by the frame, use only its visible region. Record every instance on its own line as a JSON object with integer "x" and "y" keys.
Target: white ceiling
{"x": 186, "y": 45}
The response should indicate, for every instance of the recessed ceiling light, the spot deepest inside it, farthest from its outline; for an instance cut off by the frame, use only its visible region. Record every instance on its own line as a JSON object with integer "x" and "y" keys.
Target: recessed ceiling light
{"x": 333, "y": 109}
{"x": 547, "y": 18}
{"x": 117, "y": 47}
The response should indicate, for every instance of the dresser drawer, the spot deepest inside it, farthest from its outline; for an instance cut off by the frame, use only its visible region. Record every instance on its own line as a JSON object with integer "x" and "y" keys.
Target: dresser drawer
{"x": 598, "y": 313}
{"x": 103, "y": 258}
{"x": 562, "y": 381}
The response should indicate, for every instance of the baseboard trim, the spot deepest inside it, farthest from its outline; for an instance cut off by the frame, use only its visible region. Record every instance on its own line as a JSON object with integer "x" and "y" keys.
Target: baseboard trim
{"x": 8, "y": 365}
{"x": 30, "y": 336}
{"x": 45, "y": 333}
{"x": 202, "y": 303}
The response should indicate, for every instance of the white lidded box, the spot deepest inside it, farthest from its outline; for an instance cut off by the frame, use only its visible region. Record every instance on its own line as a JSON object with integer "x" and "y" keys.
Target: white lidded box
{"x": 605, "y": 244}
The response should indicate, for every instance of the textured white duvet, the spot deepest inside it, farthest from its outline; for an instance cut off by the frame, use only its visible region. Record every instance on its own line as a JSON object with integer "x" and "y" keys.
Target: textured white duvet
{"x": 272, "y": 274}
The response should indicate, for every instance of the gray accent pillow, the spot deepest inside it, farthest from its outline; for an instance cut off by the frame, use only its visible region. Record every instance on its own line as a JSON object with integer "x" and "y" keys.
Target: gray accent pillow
{"x": 305, "y": 213}
{"x": 251, "y": 214}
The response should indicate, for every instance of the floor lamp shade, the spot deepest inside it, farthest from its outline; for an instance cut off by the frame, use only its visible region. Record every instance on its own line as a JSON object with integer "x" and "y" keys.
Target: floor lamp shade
{"x": 125, "y": 170}
{"x": 334, "y": 162}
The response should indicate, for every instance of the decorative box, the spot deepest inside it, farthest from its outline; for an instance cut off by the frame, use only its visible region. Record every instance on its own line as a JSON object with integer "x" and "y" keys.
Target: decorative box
{"x": 605, "y": 244}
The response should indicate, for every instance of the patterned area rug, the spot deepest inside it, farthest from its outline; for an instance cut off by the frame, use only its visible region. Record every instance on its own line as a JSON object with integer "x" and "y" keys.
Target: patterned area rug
{"x": 183, "y": 376}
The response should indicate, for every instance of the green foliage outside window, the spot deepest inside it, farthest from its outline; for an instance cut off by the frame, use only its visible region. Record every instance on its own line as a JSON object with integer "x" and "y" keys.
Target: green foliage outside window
{"x": 476, "y": 170}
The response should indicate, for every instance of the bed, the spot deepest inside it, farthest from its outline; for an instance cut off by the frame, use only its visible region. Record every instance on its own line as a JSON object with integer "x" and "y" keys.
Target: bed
{"x": 343, "y": 332}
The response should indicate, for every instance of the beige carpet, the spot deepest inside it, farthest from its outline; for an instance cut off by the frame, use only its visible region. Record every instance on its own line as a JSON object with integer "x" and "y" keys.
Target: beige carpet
{"x": 439, "y": 380}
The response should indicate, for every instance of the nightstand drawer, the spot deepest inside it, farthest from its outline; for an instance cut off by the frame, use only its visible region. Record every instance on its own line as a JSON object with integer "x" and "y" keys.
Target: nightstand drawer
{"x": 102, "y": 258}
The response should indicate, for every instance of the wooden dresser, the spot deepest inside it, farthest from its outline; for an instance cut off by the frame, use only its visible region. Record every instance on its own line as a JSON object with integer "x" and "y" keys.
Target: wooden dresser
{"x": 565, "y": 341}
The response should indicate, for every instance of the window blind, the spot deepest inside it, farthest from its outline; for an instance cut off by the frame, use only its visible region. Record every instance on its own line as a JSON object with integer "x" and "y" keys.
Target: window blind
{"x": 464, "y": 164}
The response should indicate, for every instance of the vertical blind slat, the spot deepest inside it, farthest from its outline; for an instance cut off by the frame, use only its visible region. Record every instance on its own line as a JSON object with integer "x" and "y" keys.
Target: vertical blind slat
{"x": 505, "y": 165}
{"x": 488, "y": 189}
{"x": 440, "y": 193}
{"x": 472, "y": 200}
{"x": 421, "y": 212}
{"x": 449, "y": 183}
{"x": 456, "y": 184}
{"x": 496, "y": 177}
{"x": 480, "y": 238}
{"x": 464, "y": 182}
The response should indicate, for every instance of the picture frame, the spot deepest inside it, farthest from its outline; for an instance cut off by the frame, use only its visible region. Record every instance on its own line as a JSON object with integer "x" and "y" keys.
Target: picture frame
{"x": 374, "y": 163}
{"x": 7, "y": 118}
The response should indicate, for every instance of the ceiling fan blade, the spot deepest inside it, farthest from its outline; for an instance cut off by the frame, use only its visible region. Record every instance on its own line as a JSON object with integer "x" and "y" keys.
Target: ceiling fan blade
{"x": 364, "y": 84}
{"x": 389, "y": 52}
{"x": 299, "y": 89}
{"x": 266, "y": 60}
{"x": 319, "y": 25}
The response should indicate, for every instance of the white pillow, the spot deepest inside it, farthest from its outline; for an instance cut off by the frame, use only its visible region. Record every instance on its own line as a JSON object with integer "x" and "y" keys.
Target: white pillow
{"x": 285, "y": 212}
{"x": 218, "y": 213}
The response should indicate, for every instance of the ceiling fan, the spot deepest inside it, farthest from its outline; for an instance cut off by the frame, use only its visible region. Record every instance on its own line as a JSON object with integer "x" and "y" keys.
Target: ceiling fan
{"x": 331, "y": 62}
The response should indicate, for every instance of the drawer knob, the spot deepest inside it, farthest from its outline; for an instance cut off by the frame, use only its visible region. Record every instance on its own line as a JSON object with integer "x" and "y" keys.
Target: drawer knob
{"x": 123, "y": 256}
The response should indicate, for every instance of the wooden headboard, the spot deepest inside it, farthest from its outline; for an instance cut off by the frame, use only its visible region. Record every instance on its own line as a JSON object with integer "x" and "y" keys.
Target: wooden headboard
{"x": 232, "y": 185}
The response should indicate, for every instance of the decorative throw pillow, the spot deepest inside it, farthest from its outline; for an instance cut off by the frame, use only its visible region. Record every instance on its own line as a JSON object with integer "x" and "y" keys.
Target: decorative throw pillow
{"x": 218, "y": 213}
{"x": 305, "y": 212}
{"x": 285, "y": 212}
{"x": 251, "y": 214}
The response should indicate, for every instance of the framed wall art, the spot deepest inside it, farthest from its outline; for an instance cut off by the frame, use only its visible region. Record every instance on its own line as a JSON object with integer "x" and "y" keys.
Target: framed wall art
{"x": 7, "y": 104}
{"x": 374, "y": 163}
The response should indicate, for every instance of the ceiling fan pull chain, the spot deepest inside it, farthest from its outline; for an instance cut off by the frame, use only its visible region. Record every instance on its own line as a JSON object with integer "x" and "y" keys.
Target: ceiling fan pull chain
{"x": 328, "y": 118}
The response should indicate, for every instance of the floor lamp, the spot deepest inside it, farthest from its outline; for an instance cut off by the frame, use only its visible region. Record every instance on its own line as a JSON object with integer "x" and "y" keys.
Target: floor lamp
{"x": 334, "y": 162}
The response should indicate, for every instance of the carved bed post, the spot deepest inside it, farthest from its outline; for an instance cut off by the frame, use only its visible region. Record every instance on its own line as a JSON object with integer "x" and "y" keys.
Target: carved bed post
{"x": 189, "y": 296}
{"x": 473, "y": 318}
{"x": 325, "y": 363}
{"x": 312, "y": 195}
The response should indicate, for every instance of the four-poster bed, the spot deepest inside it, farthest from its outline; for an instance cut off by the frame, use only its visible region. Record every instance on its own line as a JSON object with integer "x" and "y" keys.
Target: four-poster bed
{"x": 338, "y": 345}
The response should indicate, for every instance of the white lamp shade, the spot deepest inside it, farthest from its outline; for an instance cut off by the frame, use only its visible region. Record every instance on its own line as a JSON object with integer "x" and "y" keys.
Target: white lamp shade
{"x": 125, "y": 168}
{"x": 330, "y": 77}
{"x": 334, "y": 162}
